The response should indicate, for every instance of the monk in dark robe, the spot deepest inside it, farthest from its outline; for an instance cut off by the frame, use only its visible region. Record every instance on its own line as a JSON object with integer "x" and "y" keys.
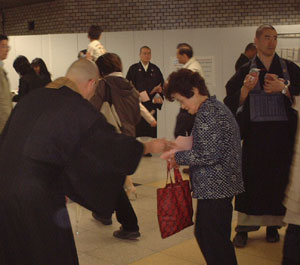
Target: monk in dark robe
{"x": 147, "y": 78}
{"x": 261, "y": 101}
{"x": 55, "y": 144}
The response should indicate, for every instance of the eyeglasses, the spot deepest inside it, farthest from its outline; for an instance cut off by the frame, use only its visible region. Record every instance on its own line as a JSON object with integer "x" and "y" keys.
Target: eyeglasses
{"x": 5, "y": 47}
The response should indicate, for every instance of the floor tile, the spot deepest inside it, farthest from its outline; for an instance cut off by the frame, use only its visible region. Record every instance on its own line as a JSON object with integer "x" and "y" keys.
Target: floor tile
{"x": 97, "y": 246}
{"x": 163, "y": 259}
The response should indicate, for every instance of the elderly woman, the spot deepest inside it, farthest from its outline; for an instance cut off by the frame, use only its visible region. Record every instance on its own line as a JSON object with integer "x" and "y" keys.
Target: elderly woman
{"x": 215, "y": 164}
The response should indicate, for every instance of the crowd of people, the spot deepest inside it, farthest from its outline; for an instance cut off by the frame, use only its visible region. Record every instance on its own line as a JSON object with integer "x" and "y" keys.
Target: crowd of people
{"x": 56, "y": 142}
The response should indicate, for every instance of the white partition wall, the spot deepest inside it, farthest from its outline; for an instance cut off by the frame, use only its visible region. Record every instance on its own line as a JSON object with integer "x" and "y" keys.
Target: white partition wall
{"x": 223, "y": 45}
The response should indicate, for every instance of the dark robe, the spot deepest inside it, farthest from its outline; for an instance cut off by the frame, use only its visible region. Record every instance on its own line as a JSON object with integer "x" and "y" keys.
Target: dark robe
{"x": 27, "y": 83}
{"x": 243, "y": 59}
{"x": 143, "y": 80}
{"x": 267, "y": 146}
{"x": 55, "y": 144}
{"x": 184, "y": 123}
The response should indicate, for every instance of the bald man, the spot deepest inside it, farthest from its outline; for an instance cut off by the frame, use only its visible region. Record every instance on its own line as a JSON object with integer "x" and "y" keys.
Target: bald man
{"x": 55, "y": 144}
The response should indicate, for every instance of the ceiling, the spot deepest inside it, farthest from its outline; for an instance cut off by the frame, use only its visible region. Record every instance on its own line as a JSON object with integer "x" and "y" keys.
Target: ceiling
{"x": 4, "y": 4}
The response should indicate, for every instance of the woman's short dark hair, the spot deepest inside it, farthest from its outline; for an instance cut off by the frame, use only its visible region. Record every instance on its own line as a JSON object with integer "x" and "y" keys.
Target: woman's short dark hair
{"x": 43, "y": 68}
{"x": 109, "y": 63}
{"x": 182, "y": 82}
{"x": 22, "y": 65}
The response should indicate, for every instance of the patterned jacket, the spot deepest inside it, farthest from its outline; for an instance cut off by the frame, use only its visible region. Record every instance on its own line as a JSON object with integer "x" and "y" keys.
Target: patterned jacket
{"x": 215, "y": 157}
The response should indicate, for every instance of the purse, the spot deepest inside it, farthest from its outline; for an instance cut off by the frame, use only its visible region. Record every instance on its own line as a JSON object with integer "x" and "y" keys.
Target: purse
{"x": 174, "y": 205}
{"x": 109, "y": 111}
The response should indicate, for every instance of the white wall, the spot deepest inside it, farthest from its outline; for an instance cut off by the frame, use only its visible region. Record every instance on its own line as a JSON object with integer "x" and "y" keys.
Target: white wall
{"x": 224, "y": 44}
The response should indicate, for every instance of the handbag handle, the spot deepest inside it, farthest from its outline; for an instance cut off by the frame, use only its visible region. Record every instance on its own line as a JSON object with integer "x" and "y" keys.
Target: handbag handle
{"x": 177, "y": 175}
{"x": 169, "y": 175}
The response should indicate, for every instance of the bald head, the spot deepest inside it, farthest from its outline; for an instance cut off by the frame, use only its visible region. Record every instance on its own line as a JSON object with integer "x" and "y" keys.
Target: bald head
{"x": 83, "y": 70}
{"x": 84, "y": 73}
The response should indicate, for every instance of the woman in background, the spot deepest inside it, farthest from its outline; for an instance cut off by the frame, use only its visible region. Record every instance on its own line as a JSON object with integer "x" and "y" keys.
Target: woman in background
{"x": 41, "y": 70}
{"x": 29, "y": 80}
{"x": 125, "y": 99}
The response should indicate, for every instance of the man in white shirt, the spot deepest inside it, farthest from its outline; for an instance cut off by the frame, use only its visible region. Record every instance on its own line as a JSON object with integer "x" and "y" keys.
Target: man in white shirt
{"x": 184, "y": 55}
{"x": 184, "y": 120}
{"x": 95, "y": 48}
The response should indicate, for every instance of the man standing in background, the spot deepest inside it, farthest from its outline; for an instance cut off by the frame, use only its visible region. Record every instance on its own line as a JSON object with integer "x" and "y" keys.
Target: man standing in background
{"x": 184, "y": 55}
{"x": 95, "y": 48}
{"x": 148, "y": 80}
{"x": 260, "y": 95}
{"x": 5, "y": 93}
{"x": 250, "y": 52}
{"x": 184, "y": 120}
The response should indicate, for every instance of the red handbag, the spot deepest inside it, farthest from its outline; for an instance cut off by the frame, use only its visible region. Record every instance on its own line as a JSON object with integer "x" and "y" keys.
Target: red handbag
{"x": 174, "y": 205}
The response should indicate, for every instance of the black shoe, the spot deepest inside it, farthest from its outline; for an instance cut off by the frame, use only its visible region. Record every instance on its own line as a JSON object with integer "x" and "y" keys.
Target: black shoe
{"x": 240, "y": 239}
{"x": 272, "y": 235}
{"x": 148, "y": 155}
{"x": 123, "y": 234}
{"x": 103, "y": 220}
{"x": 186, "y": 171}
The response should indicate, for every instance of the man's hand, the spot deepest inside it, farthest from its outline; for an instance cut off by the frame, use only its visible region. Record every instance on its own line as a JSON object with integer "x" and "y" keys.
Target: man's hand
{"x": 250, "y": 82}
{"x": 273, "y": 84}
{"x": 157, "y": 89}
{"x": 153, "y": 124}
{"x": 158, "y": 100}
{"x": 158, "y": 146}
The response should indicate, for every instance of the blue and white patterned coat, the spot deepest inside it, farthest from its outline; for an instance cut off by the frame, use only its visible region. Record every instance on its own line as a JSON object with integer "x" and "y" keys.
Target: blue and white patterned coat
{"x": 215, "y": 157}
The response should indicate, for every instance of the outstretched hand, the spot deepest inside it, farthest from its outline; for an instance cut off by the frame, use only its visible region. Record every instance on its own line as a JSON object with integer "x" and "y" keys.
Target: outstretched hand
{"x": 158, "y": 146}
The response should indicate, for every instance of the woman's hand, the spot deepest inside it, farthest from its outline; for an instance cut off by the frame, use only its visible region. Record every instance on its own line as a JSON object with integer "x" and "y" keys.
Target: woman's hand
{"x": 158, "y": 146}
{"x": 172, "y": 162}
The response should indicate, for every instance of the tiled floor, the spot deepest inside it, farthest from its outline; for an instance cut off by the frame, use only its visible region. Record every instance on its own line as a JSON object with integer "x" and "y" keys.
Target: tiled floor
{"x": 97, "y": 246}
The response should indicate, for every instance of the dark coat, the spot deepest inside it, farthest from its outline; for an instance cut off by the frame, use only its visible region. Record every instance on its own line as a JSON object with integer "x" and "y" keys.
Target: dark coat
{"x": 125, "y": 99}
{"x": 243, "y": 59}
{"x": 55, "y": 144}
{"x": 184, "y": 123}
{"x": 27, "y": 83}
{"x": 267, "y": 146}
{"x": 143, "y": 80}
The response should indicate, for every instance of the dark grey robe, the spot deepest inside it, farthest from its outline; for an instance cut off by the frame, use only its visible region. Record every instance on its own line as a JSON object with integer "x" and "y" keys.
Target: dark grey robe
{"x": 55, "y": 144}
{"x": 267, "y": 146}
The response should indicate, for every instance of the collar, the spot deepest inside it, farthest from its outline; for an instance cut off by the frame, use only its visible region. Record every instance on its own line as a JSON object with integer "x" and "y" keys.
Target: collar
{"x": 189, "y": 62}
{"x": 118, "y": 74}
{"x": 145, "y": 66}
{"x": 63, "y": 81}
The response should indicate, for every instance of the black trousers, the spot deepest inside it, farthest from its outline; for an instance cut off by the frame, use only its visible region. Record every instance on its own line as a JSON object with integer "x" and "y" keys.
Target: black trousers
{"x": 125, "y": 213}
{"x": 213, "y": 229}
{"x": 291, "y": 247}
